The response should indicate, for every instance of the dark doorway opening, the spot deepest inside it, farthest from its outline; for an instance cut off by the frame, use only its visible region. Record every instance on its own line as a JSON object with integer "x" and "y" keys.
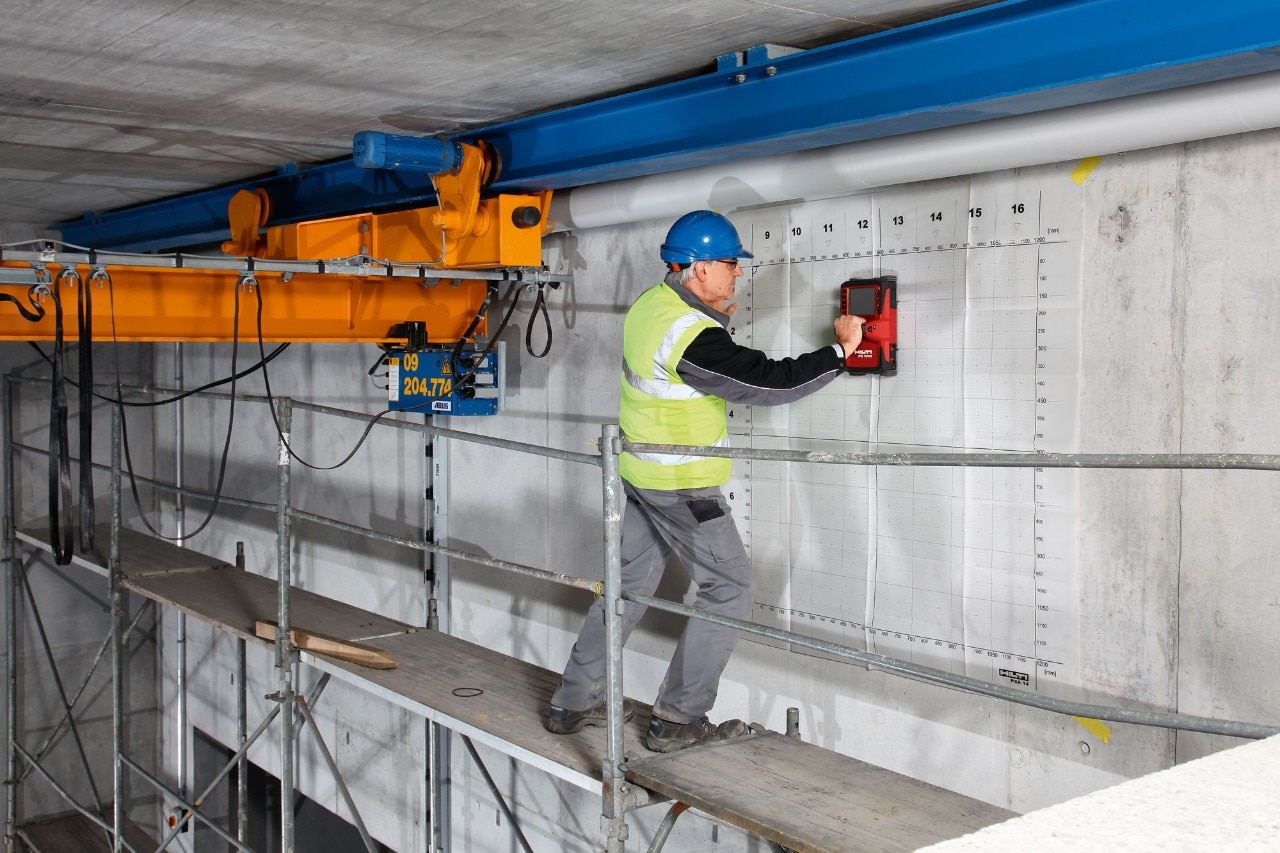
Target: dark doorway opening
{"x": 315, "y": 827}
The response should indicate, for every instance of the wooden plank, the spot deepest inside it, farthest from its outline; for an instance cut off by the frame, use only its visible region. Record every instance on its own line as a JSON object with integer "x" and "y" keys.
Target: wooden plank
{"x": 235, "y": 600}
{"x": 499, "y": 695}
{"x": 75, "y": 832}
{"x": 323, "y": 644}
{"x": 810, "y": 799}
{"x": 139, "y": 552}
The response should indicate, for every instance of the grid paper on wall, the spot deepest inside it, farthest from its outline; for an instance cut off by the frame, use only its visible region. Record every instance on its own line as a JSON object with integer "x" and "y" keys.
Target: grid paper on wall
{"x": 970, "y": 570}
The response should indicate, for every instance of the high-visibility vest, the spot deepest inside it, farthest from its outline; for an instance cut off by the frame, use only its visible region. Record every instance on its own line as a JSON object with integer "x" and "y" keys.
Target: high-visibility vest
{"x": 658, "y": 407}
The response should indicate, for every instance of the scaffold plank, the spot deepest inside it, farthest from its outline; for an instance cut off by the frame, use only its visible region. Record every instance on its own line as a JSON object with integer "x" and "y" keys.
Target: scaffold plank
{"x": 214, "y": 591}
{"x": 493, "y": 698}
{"x": 139, "y": 553}
{"x": 234, "y": 600}
{"x": 810, "y": 799}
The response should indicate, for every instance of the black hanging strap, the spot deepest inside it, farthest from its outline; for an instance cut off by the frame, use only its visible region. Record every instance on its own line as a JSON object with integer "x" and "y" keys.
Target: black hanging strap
{"x": 84, "y": 320}
{"x": 60, "y": 518}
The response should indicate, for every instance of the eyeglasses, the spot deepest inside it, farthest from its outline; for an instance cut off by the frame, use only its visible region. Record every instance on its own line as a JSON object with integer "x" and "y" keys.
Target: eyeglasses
{"x": 732, "y": 262}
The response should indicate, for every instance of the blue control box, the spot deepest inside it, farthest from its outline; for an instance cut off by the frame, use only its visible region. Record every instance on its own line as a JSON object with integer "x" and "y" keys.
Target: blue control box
{"x": 427, "y": 382}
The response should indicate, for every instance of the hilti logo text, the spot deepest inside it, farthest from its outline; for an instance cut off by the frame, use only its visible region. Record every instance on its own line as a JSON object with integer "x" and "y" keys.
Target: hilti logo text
{"x": 864, "y": 353}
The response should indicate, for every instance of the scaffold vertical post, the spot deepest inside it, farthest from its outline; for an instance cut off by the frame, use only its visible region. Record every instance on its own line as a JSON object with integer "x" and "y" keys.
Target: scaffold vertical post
{"x": 436, "y": 768}
{"x": 436, "y": 459}
{"x": 242, "y": 731}
{"x": 117, "y": 639}
{"x": 180, "y": 619}
{"x": 242, "y": 725}
{"x": 284, "y": 647}
{"x": 10, "y": 622}
{"x": 433, "y": 788}
{"x": 615, "y": 817}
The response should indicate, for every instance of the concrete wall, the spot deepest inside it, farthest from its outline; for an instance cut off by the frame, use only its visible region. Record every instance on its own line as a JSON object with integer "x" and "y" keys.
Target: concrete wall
{"x": 1177, "y": 596}
{"x": 1176, "y": 589}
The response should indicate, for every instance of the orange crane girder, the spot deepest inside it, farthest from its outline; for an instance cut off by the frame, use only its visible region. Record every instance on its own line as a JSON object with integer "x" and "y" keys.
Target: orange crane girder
{"x": 164, "y": 304}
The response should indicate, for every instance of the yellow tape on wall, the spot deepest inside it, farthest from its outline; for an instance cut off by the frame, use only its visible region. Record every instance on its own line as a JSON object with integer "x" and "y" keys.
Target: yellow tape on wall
{"x": 1085, "y": 169}
{"x": 1097, "y": 728}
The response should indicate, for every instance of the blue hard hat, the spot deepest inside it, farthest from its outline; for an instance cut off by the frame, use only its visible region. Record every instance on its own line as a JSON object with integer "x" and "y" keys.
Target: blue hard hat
{"x": 703, "y": 235}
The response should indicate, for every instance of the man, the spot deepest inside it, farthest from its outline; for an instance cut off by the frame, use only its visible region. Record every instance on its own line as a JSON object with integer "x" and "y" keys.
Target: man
{"x": 680, "y": 368}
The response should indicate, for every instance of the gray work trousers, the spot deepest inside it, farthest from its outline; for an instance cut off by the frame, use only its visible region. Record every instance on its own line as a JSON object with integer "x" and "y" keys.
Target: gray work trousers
{"x": 696, "y": 525}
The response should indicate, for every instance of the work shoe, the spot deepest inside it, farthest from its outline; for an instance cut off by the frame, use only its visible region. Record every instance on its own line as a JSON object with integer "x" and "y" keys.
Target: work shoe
{"x": 666, "y": 736}
{"x": 561, "y": 721}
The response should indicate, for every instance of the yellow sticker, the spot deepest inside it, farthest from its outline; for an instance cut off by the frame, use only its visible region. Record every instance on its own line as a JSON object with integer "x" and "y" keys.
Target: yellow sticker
{"x": 1085, "y": 169}
{"x": 1097, "y": 728}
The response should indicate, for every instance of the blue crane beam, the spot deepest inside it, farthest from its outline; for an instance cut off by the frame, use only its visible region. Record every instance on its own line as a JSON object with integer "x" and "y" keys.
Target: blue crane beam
{"x": 1010, "y": 58}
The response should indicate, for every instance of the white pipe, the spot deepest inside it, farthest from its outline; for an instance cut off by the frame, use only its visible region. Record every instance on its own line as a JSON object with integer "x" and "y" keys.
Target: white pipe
{"x": 1122, "y": 124}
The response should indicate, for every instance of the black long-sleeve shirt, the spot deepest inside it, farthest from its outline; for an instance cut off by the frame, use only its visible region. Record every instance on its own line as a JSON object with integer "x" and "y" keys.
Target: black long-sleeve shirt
{"x": 716, "y": 364}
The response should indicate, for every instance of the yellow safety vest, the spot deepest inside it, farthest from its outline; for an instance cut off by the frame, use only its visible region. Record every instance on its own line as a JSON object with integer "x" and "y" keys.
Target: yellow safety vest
{"x": 658, "y": 407}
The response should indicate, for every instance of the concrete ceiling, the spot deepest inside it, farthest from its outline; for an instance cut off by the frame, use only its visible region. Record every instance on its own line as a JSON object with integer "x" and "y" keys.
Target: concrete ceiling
{"x": 107, "y": 103}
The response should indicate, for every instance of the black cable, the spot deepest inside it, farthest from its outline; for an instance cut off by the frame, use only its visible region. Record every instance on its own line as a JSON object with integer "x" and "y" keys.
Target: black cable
{"x": 271, "y": 406}
{"x": 33, "y": 314}
{"x": 490, "y": 292}
{"x": 147, "y": 404}
{"x": 513, "y": 293}
{"x": 539, "y": 304}
{"x": 124, "y": 424}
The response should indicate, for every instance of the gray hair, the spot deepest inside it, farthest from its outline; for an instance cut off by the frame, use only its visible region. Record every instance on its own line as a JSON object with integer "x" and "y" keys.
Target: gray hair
{"x": 682, "y": 277}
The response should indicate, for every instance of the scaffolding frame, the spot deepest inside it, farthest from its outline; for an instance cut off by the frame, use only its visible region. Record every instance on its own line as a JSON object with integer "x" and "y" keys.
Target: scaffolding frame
{"x": 294, "y": 711}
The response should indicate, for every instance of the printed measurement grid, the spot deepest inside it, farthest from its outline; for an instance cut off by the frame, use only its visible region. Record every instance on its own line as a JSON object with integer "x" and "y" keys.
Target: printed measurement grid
{"x": 937, "y": 566}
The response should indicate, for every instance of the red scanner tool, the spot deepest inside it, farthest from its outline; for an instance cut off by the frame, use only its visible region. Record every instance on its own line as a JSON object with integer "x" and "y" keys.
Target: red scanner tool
{"x": 876, "y": 300}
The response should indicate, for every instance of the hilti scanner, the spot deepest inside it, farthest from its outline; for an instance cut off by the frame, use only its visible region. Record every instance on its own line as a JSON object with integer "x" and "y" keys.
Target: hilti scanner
{"x": 876, "y": 300}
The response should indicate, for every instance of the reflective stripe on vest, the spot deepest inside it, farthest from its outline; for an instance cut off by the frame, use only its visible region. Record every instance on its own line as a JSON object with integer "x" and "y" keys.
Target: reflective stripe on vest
{"x": 660, "y": 388}
{"x": 672, "y": 459}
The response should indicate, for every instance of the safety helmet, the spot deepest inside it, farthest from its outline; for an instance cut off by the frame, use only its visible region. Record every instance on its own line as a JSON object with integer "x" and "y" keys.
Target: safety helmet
{"x": 703, "y": 235}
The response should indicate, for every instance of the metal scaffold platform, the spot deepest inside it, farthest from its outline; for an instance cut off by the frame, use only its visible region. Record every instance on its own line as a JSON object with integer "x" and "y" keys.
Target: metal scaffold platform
{"x": 792, "y": 794}
{"x": 781, "y": 788}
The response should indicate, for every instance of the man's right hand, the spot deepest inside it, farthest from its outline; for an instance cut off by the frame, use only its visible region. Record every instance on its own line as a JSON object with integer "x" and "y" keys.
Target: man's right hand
{"x": 849, "y": 332}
